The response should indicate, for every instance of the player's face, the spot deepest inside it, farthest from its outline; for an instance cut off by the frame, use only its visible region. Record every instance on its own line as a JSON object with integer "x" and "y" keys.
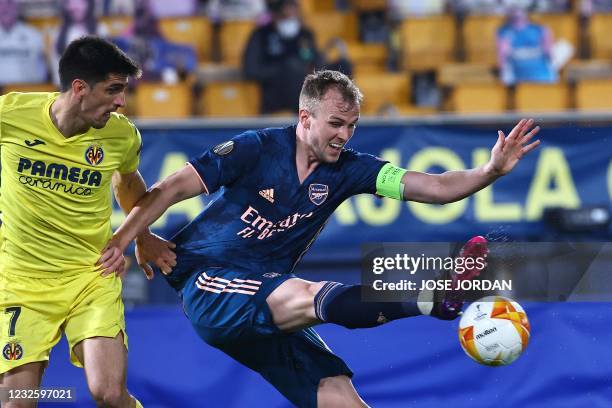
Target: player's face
{"x": 331, "y": 126}
{"x": 103, "y": 98}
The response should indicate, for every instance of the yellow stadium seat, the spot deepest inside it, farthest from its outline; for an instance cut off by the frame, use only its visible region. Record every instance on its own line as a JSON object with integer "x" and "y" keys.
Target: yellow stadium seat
{"x": 455, "y": 74}
{"x": 562, "y": 26}
{"x": 234, "y": 98}
{"x": 333, "y": 24}
{"x": 367, "y": 58}
{"x": 367, "y": 5}
{"x": 117, "y": 25}
{"x": 594, "y": 94}
{"x": 479, "y": 38}
{"x": 428, "y": 42}
{"x": 233, "y": 38}
{"x": 384, "y": 89}
{"x": 194, "y": 31}
{"x": 317, "y": 6}
{"x": 156, "y": 100}
{"x": 27, "y": 87}
{"x": 534, "y": 97}
{"x": 600, "y": 36}
{"x": 479, "y": 98}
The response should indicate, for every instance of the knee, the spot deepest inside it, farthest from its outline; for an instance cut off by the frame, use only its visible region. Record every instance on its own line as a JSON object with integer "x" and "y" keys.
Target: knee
{"x": 107, "y": 394}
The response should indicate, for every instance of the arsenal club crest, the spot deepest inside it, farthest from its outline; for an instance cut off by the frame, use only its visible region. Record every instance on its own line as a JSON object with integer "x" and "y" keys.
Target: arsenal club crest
{"x": 318, "y": 193}
{"x": 94, "y": 155}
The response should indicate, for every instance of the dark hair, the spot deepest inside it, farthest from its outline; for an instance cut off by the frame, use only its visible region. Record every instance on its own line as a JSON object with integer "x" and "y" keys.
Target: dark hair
{"x": 317, "y": 84}
{"x": 93, "y": 59}
{"x": 91, "y": 24}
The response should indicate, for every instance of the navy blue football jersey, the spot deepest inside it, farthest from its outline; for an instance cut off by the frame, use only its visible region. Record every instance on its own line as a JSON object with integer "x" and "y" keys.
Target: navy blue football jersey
{"x": 264, "y": 219}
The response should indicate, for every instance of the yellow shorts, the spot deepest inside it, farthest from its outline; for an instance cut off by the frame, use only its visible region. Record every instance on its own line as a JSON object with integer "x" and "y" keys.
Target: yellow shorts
{"x": 35, "y": 311}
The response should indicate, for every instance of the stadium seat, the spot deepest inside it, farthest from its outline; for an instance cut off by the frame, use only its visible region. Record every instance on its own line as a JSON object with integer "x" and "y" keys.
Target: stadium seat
{"x": 27, "y": 87}
{"x": 369, "y": 5}
{"x": 317, "y": 6}
{"x": 455, "y": 74}
{"x": 194, "y": 31}
{"x": 117, "y": 25}
{"x": 479, "y": 38}
{"x": 479, "y": 98}
{"x": 427, "y": 43}
{"x": 334, "y": 24}
{"x": 384, "y": 89}
{"x": 600, "y": 36}
{"x": 532, "y": 97}
{"x": 367, "y": 58}
{"x": 594, "y": 94}
{"x": 233, "y": 38}
{"x": 234, "y": 98}
{"x": 562, "y": 26}
{"x": 157, "y": 100}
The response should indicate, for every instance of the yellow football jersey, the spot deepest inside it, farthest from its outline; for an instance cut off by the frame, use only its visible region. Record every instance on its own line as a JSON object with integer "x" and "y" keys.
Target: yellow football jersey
{"x": 56, "y": 191}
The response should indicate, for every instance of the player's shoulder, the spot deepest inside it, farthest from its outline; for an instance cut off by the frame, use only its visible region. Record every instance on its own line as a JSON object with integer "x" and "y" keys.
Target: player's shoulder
{"x": 16, "y": 101}
{"x": 120, "y": 124}
{"x": 280, "y": 136}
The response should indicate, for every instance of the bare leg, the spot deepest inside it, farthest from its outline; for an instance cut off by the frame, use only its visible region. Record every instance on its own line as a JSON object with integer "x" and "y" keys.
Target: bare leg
{"x": 25, "y": 376}
{"x": 105, "y": 363}
{"x": 338, "y": 392}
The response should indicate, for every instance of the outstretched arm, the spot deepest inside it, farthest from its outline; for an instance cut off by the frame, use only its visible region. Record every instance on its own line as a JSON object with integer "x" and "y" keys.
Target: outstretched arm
{"x": 179, "y": 186}
{"x": 455, "y": 185}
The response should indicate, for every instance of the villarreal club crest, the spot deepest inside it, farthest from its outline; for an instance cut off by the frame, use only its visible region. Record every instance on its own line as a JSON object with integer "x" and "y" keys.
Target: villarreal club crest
{"x": 12, "y": 351}
{"x": 94, "y": 154}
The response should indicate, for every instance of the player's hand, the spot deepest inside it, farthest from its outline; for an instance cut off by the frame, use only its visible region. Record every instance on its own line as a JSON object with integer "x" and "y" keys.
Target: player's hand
{"x": 152, "y": 248}
{"x": 112, "y": 259}
{"x": 509, "y": 150}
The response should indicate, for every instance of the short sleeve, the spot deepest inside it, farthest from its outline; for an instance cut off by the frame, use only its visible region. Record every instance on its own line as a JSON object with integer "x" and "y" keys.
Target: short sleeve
{"x": 227, "y": 162}
{"x": 132, "y": 158}
{"x": 2, "y": 98}
{"x": 362, "y": 170}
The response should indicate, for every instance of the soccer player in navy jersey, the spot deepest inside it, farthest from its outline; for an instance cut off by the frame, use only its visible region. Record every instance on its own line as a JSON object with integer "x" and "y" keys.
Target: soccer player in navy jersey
{"x": 278, "y": 189}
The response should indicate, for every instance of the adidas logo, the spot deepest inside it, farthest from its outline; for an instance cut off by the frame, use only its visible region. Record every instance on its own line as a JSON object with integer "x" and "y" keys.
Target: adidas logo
{"x": 268, "y": 194}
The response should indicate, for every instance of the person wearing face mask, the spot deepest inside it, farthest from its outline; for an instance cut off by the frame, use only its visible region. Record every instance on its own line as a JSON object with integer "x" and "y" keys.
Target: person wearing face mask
{"x": 279, "y": 55}
{"x": 524, "y": 50}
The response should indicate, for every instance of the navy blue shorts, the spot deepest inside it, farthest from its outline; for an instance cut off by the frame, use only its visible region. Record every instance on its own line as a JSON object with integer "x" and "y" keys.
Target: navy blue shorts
{"x": 228, "y": 309}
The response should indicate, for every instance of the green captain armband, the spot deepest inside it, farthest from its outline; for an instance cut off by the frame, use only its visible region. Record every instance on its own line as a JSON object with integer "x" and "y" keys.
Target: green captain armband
{"x": 389, "y": 182}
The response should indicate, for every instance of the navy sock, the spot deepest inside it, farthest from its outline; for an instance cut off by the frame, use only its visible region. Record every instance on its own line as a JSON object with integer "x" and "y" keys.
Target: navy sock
{"x": 341, "y": 304}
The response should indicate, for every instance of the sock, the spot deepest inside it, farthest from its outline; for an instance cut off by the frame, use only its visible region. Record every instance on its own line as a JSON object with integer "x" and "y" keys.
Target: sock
{"x": 138, "y": 404}
{"x": 341, "y": 304}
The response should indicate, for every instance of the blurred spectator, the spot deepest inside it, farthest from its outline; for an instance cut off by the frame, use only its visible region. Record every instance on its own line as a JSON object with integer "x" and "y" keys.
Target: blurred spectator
{"x": 463, "y": 7}
{"x": 500, "y": 6}
{"x": 159, "y": 58}
{"x": 336, "y": 54}
{"x": 21, "y": 48}
{"x": 173, "y": 8}
{"x": 78, "y": 18}
{"x": 401, "y": 9}
{"x": 279, "y": 55}
{"x": 524, "y": 50}
{"x": 588, "y": 7}
{"x": 550, "y": 6}
{"x": 228, "y": 10}
{"x": 117, "y": 7}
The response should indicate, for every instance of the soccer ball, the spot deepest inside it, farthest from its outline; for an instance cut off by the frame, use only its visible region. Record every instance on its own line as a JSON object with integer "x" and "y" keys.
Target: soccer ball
{"x": 494, "y": 330}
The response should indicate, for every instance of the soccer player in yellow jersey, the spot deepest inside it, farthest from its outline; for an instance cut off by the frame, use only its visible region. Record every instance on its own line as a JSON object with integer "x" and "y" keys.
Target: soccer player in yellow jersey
{"x": 60, "y": 154}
